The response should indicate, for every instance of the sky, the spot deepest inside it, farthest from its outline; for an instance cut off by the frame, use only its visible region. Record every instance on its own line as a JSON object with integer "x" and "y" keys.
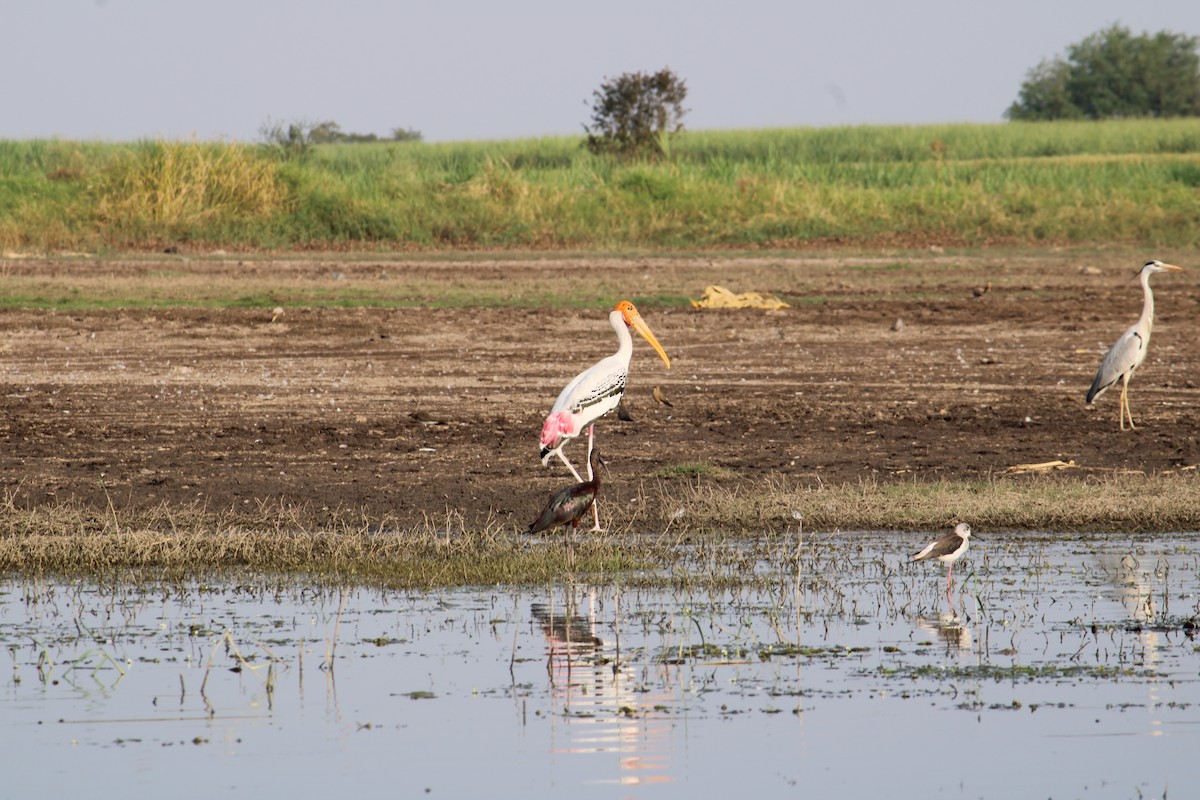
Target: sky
{"x": 123, "y": 70}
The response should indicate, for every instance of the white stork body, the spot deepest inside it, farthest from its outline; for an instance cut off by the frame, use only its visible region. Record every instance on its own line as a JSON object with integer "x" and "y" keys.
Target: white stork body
{"x": 1124, "y": 357}
{"x": 594, "y": 392}
{"x": 589, "y": 396}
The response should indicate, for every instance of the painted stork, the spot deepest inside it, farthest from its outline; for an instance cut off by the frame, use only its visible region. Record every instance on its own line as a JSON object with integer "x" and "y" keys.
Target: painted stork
{"x": 594, "y": 392}
{"x": 567, "y": 506}
{"x": 948, "y": 549}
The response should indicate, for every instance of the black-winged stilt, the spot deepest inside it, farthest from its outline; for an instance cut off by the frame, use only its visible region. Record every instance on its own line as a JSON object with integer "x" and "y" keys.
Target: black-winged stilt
{"x": 948, "y": 549}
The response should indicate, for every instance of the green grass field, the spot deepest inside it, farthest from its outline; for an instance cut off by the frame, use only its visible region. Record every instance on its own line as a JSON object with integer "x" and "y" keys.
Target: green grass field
{"x": 1131, "y": 182}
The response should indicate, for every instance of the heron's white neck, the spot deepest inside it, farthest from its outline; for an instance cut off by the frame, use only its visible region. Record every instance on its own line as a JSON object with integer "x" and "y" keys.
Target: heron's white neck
{"x": 625, "y": 348}
{"x": 1146, "y": 323}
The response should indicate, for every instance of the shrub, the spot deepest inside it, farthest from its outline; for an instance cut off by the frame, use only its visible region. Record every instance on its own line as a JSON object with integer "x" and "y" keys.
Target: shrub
{"x": 635, "y": 114}
{"x": 294, "y": 140}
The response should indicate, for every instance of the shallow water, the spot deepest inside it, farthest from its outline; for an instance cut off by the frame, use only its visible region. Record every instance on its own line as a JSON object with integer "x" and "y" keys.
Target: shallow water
{"x": 1059, "y": 667}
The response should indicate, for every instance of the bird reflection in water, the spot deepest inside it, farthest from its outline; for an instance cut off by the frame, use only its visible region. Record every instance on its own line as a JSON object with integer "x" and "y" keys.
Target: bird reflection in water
{"x": 1131, "y": 584}
{"x": 568, "y": 636}
{"x": 1135, "y": 586}
{"x": 590, "y": 690}
{"x": 952, "y": 629}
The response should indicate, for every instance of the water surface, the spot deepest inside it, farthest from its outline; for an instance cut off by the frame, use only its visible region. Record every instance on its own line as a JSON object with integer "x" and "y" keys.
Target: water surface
{"x": 1058, "y": 667}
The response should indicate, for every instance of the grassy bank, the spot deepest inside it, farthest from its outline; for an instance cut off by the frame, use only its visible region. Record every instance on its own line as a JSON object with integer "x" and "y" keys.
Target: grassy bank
{"x": 1127, "y": 181}
{"x": 648, "y": 541}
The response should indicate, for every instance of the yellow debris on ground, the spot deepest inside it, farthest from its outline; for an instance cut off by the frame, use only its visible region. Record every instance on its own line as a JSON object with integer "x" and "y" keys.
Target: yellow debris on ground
{"x": 1045, "y": 466}
{"x": 720, "y": 297}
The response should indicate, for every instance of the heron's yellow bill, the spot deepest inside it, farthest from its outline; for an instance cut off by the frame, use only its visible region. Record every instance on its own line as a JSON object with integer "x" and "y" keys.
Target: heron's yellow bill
{"x": 634, "y": 320}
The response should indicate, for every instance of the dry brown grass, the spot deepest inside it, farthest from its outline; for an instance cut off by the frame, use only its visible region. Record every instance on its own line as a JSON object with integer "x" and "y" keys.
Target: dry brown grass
{"x": 675, "y": 532}
{"x": 1109, "y": 502}
{"x": 174, "y": 543}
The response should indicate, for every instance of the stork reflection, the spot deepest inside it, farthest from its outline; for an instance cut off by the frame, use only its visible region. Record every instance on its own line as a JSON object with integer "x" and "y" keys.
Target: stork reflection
{"x": 570, "y": 640}
{"x": 603, "y": 710}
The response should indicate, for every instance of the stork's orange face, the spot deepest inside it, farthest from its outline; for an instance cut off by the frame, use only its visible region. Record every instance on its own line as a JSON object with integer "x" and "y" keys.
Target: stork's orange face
{"x": 634, "y": 320}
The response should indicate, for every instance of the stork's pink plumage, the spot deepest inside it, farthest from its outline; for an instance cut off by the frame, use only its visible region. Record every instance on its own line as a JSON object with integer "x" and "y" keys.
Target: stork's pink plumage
{"x": 597, "y": 390}
{"x": 558, "y": 428}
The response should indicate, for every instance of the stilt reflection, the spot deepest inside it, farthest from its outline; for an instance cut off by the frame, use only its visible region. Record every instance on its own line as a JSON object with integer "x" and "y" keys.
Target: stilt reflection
{"x": 951, "y": 628}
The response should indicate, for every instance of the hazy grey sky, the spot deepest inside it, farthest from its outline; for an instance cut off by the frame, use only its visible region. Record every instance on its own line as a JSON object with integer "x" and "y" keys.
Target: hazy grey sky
{"x": 127, "y": 69}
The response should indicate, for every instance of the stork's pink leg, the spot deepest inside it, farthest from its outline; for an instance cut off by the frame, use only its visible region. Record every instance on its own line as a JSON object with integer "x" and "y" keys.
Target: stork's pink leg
{"x": 591, "y": 436}
{"x": 949, "y": 572}
{"x": 563, "y": 457}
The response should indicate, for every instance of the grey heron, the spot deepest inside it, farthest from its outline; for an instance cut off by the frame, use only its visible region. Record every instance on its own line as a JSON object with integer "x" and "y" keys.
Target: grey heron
{"x": 1124, "y": 357}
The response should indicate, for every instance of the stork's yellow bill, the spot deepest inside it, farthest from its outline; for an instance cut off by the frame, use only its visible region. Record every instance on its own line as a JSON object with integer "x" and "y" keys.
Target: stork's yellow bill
{"x": 634, "y": 320}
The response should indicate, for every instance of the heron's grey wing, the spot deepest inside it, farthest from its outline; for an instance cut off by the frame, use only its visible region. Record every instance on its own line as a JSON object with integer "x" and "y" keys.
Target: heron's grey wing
{"x": 1121, "y": 357}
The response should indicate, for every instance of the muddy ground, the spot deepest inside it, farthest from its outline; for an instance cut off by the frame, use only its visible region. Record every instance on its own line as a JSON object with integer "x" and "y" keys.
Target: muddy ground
{"x": 419, "y": 411}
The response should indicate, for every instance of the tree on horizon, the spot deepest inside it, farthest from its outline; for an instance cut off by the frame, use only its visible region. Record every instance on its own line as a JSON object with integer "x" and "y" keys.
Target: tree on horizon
{"x": 1113, "y": 74}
